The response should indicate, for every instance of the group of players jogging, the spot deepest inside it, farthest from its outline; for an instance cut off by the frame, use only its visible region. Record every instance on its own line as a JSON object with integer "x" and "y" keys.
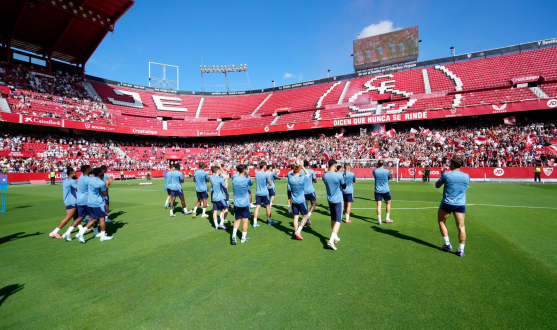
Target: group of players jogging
{"x": 86, "y": 200}
{"x": 339, "y": 183}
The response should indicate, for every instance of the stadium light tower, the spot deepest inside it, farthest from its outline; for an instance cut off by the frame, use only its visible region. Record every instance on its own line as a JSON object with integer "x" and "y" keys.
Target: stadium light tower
{"x": 164, "y": 82}
{"x": 453, "y": 52}
{"x": 226, "y": 69}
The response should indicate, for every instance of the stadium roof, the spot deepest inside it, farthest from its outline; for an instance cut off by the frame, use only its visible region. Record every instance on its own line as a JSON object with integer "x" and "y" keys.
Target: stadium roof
{"x": 68, "y": 30}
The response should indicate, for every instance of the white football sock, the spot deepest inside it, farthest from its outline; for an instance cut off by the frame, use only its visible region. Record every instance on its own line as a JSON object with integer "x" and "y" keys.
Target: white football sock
{"x": 254, "y": 221}
{"x": 69, "y": 231}
{"x": 195, "y": 210}
{"x": 333, "y": 235}
{"x": 95, "y": 230}
{"x": 234, "y": 232}
{"x": 347, "y": 215}
{"x": 379, "y": 217}
{"x": 461, "y": 247}
{"x": 204, "y": 209}
{"x": 447, "y": 242}
{"x": 82, "y": 230}
{"x": 216, "y": 223}
{"x": 103, "y": 233}
{"x": 309, "y": 215}
{"x": 56, "y": 230}
{"x": 79, "y": 227}
{"x": 244, "y": 233}
{"x": 388, "y": 216}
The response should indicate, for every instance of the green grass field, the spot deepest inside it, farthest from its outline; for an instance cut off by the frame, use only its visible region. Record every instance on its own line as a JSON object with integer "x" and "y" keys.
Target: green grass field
{"x": 174, "y": 273}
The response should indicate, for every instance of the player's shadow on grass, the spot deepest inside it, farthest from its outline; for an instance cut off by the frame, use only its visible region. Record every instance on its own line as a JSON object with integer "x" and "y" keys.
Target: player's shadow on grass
{"x": 9, "y": 290}
{"x": 367, "y": 199}
{"x": 113, "y": 227}
{"x": 307, "y": 229}
{"x": 397, "y": 234}
{"x": 22, "y": 207}
{"x": 114, "y": 215}
{"x": 16, "y": 236}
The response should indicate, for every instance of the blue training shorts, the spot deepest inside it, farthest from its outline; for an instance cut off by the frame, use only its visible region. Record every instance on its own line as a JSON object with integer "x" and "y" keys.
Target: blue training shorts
{"x": 241, "y": 212}
{"x": 176, "y": 193}
{"x": 202, "y": 195}
{"x": 449, "y": 208}
{"x": 336, "y": 211}
{"x": 310, "y": 197}
{"x": 219, "y": 205}
{"x": 96, "y": 212}
{"x": 262, "y": 200}
{"x": 82, "y": 211}
{"x": 272, "y": 192}
{"x": 299, "y": 208}
{"x": 69, "y": 207}
{"x": 380, "y": 196}
{"x": 349, "y": 198}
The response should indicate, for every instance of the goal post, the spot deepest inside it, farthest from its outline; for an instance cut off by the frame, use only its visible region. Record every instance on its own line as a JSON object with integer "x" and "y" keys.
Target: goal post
{"x": 390, "y": 164}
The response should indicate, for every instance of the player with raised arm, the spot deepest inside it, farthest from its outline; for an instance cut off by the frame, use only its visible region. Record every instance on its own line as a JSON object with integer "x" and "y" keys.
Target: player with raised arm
{"x": 240, "y": 185}
{"x": 382, "y": 192}
{"x": 69, "y": 193}
{"x": 334, "y": 182}
{"x": 96, "y": 204}
{"x": 262, "y": 194}
{"x": 348, "y": 193}
{"x": 218, "y": 184}
{"x": 174, "y": 181}
{"x": 168, "y": 190}
{"x": 309, "y": 191}
{"x": 297, "y": 182}
{"x": 273, "y": 174}
{"x": 200, "y": 177}
{"x": 454, "y": 201}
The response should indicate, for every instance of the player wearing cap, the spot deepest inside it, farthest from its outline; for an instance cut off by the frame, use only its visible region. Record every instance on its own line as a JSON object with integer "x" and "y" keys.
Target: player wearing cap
{"x": 348, "y": 193}
{"x": 382, "y": 192}
{"x": 334, "y": 182}
{"x": 200, "y": 177}
{"x": 240, "y": 185}
{"x": 454, "y": 201}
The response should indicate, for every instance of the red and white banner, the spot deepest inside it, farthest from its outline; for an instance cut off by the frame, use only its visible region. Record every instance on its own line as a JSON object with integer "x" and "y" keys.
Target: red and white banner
{"x": 413, "y": 131}
{"x": 410, "y": 140}
{"x": 487, "y": 109}
{"x": 480, "y": 139}
{"x": 509, "y": 121}
{"x": 16, "y": 154}
{"x": 525, "y": 79}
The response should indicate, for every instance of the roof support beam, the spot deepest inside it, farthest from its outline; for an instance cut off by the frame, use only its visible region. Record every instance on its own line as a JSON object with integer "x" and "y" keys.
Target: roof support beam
{"x": 19, "y": 19}
{"x": 66, "y": 29}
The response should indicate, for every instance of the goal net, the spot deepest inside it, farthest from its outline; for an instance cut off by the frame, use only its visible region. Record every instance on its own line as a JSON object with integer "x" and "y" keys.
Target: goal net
{"x": 390, "y": 164}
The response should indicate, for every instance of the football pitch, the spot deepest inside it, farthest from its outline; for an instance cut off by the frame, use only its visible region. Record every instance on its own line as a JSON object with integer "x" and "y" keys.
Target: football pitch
{"x": 175, "y": 273}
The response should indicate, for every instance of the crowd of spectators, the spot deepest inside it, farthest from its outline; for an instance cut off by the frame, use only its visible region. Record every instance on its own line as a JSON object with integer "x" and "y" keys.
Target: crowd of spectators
{"x": 499, "y": 146}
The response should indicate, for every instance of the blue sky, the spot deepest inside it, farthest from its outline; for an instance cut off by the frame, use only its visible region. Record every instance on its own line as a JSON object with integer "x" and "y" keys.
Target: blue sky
{"x": 290, "y": 41}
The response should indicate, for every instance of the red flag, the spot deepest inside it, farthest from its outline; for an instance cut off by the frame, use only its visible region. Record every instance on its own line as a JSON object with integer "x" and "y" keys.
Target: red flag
{"x": 411, "y": 140}
{"x": 413, "y": 131}
{"x": 373, "y": 150}
{"x": 480, "y": 139}
{"x": 340, "y": 136}
{"x": 425, "y": 131}
{"x": 510, "y": 121}
{"x": 440, "y": 138}
{"x": 382, "y": 129}
{"x": 390, "y": 134}
{"x": 326, "y": 156}
{"x": 322, "y": 136}
{"x": 531, "y": 139}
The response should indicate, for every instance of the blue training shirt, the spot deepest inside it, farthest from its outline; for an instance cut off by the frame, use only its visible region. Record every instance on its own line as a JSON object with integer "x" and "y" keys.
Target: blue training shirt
{"x": 83, "y": 189}
{"x": 217, "y": 188}
{"x": 262, "y": 180}
{"x": 95, "y": 197}
{"x": 382, "y": 177}
{"x": 174, "y": 180}
{"x": 240, "y": 185}
{"x": 272, "y": 178}
{"x": 456, "y": 183}
{"x": 201, "y": 178}
{"x": 69, "y": 187}
{"x": 297, "y": 184}
{"x": 288, "y": 175}
{"x": 333, "y": 181}
{"x": 350, "y": 179}
{"x": 308, "y": 186}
